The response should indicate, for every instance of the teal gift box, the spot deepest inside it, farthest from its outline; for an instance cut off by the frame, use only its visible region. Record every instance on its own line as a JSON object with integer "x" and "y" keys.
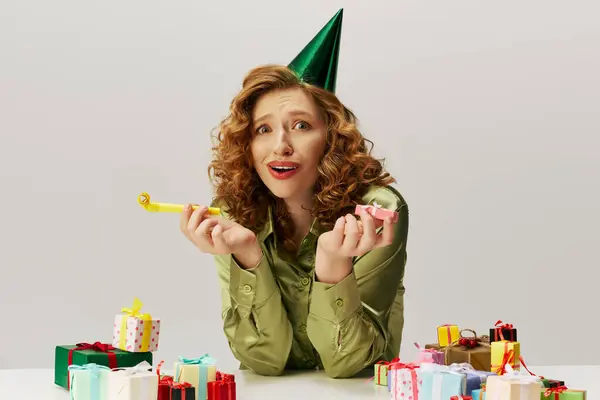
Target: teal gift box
{"x": 89, "y": 382}
{"x": 478, "y": 394}
{"x": 439, "y": 382}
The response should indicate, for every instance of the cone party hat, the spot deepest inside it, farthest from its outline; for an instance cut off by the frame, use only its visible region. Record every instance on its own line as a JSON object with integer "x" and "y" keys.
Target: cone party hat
{"x": 317, "y": 63}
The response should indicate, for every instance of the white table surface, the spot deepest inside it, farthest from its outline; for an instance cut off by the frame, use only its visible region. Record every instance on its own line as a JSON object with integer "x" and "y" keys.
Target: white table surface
{"x": 38, "y": 384}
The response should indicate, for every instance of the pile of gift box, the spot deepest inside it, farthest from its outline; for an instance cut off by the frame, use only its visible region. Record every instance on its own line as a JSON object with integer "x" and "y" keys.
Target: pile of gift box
{"x": 123, "y": 370}
{"x": 464, "y": 366}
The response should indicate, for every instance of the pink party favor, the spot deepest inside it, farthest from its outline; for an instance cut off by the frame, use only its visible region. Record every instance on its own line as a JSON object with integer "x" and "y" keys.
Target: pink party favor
{"x": 134, "y": 331}
{"x": 377, "y": 212}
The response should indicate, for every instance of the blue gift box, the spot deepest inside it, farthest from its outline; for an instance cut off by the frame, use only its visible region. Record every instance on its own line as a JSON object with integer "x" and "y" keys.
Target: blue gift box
{"x": 439, "y": 382}
{"x": 475, "y": 379}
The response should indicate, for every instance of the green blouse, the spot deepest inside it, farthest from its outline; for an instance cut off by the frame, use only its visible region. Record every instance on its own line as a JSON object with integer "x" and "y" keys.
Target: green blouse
{"x": 277, "y": 317}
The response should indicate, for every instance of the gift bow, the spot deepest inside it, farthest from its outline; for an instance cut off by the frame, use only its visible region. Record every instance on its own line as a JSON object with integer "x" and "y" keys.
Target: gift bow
{"x": 220, "y": 376}
{"x": 461, "y": 367}
{"x": 144, "y": 366}
{"x": 96, "y": 346}
{"x": 509, "y": 357}
{"x": 134, "y": 311}
{"x": 523, "y": 377}
{"x": 501, "y": 325}
{"x": 92, "y": 367}
{"x": 204, "y": 360}
{"x": 556, "y": 390}
{"x": 429, "y": 367}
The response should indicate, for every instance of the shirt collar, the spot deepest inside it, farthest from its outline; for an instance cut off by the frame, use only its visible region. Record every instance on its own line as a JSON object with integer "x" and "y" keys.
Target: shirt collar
{"x": 268, "y": 228}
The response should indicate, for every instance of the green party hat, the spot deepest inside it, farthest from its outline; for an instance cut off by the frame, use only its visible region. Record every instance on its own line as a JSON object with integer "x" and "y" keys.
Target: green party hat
{"x": 317, "y": 63}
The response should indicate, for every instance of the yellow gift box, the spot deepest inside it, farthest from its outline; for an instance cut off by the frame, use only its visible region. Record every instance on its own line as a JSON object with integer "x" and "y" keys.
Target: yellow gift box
{"x": 505, "y": 353}
{"x": 447, "y": 334}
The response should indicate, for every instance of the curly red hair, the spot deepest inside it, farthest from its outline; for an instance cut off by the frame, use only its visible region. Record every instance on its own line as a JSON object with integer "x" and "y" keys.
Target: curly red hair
{"x": 345, "y": 172}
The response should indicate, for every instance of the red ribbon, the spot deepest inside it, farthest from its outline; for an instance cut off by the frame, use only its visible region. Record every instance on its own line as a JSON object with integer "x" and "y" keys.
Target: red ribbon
{"x": 556, "y": 390}
{"x": 509, "y": 357}
{"x": 96, "y": 346}
{"x": 500, "y": 326}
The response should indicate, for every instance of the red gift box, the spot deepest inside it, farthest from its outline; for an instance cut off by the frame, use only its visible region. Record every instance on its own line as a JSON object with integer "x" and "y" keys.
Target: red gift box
{"x": 223, "y": 388}
{"x": 377, "y": 212}
{"x": 461, "y": 398}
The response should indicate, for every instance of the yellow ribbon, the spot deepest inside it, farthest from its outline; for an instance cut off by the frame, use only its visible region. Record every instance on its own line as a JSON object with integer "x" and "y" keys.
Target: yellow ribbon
{"x": 134, "y": 312}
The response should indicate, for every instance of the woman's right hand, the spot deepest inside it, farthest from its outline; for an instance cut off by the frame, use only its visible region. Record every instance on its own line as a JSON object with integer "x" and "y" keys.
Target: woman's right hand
{"x": 217, "y": 235}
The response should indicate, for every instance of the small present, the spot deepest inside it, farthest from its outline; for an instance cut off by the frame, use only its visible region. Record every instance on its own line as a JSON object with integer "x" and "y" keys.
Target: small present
{"x": 480, "y": 357}
{"x": 475, "y": 379}
{"x": 505, "y": 353}
{"x": 89, "y": 382}
{"x": 377, "y": 212}
{"x": 223, "y": 388}
{"x": 502, "y": 331}
{"x": 513, "y": 386}
{"x": 404, "y": 381}
{"x": 380, "y": 376}
{"x": 447, "y": 334}
{"x": 439, "y": 382}
{"x": 168, "y": 389}
{"x": 92, "y": 353}
{"x": 134, "y": 331}
{"x": 563, "y": 393}
{"x": 479, "y": 394}
{"x": 431, "y": 355}
{"x": 198, "y": 372}
{"x": 551, "y": 383}
{"x": 461, "y": 398}
{"x": 133, "y": 383}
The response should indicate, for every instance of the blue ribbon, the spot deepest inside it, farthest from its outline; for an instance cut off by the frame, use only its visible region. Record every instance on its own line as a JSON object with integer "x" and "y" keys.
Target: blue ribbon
{"x": 202, "y": 363}
{"x": 94, "y": 378}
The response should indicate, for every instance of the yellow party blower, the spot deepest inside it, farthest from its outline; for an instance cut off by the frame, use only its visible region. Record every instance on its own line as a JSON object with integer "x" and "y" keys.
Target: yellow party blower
{"x": 144, "y": 200}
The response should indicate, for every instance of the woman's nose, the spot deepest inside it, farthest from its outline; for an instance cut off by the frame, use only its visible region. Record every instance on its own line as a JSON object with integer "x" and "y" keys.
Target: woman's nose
{"x": 283, "y": 145}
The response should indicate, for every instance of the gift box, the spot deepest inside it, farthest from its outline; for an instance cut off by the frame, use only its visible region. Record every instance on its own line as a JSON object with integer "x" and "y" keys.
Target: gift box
{"x": 223, "y": 388}
{"x": 563, "y": 393}
{"x": 461, "y": 398}
{"x": 133, "y": 383}
{"x": 513, "y": 386}
{"x": 168, "y": 389}
{"x": 429, "y": 354}
{"x": 89, "y": 382}
{"x": 475, "y": 379}
{"x": 439, "y": 382}
{"x": 198, "y": 372}
{"x": 478, "y": 394}
{"x": 380, "y": 376}
{"x": 502, "y": 331}
{"x": 134, "y": 331}
{"x": 94, "y": 353}
{"x": 479, "y": 357}
{"x": 447, "y": 334}
{"x": 404, "y": 381}
{"x": 505, "y": 353}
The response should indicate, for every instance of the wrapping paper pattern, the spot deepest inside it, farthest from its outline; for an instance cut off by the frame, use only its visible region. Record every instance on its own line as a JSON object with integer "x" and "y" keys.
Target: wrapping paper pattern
{"x": 503, "y": 353}
{"x": 447, "y": 334}
{"x": 405, "y": 382}
{"x": 514, "y": 386}
{"x": 198, "y": 372}
{"x": 89, "y": 382}
{"x": 439, "y": 382}
{"x": 133, "y": 383}
{"x": 140, "y": 335}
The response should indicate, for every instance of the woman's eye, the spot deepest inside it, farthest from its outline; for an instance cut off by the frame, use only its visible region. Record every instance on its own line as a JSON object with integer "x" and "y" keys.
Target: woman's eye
{"x": 262, "y": 129}
{"x": 302, "y": 125}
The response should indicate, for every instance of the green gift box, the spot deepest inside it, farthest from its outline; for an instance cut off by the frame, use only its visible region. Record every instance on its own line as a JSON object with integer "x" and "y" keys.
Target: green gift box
{"x": 96, "y": 353}
{"x": 564, "y": 394}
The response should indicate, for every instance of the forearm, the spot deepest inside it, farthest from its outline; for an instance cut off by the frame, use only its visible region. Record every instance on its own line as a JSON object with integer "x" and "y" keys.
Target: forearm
{"x": 346, "y": 335}
{"x": 255, "y": 321}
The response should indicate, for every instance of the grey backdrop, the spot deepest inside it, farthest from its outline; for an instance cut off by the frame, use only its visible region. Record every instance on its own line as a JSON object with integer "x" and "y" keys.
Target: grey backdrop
{"x": 487, "y": 113}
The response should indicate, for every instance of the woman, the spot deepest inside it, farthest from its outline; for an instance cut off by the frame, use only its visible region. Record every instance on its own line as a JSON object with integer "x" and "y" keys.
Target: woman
{"x": 305, "y": 283}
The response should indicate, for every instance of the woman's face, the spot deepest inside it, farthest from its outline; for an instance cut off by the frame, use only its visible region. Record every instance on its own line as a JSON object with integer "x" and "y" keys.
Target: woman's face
{"x": 288, "y": 142}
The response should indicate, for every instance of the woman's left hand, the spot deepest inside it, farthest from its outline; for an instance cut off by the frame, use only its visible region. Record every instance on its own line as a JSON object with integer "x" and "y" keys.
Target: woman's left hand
{"x": 353, "y": 238}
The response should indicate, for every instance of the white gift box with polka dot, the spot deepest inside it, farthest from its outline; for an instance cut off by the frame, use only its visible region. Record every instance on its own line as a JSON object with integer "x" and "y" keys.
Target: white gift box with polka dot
{"x": 135, "y": 333}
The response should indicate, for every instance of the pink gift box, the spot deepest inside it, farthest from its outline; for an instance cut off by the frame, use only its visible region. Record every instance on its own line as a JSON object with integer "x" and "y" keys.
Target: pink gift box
{"x": 430, "y": 355}
{"x": 377, "y": 212}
